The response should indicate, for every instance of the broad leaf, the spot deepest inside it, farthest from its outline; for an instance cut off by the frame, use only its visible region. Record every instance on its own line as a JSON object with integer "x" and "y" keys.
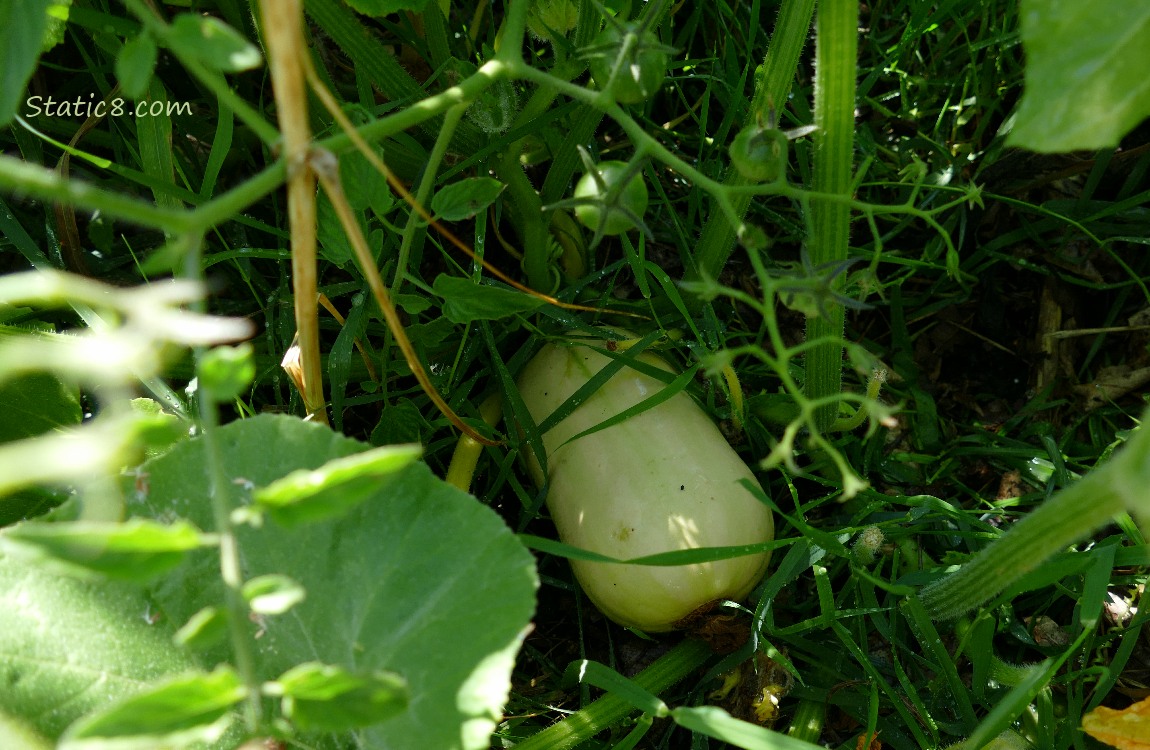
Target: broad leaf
{"x": 68, "y": 647}
{"x": 365, "y": 187}
{"x": 1086, "y": 82}
{"x": 465, "y": 301}
{"x": 399, "y": 583}
{"x": 32, "y": 405}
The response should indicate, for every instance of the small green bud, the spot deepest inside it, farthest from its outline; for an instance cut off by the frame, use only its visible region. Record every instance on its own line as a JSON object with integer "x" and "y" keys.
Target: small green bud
{"x": 867, "y": 545}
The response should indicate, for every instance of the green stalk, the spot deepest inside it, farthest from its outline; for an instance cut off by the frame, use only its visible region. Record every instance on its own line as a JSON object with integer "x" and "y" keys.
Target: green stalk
{"x": 836, "y": 50}
{"x": 1069, "y": 515}
{"x": 220, "y": 488}
{"x": 526, "y": 210}
{"x": 423, "y": 194}
{"x": 779, "y": 65}
{"x": 23, "y": 178}
{"x": 231, "y": 569}
{"x": 671, "y": 668}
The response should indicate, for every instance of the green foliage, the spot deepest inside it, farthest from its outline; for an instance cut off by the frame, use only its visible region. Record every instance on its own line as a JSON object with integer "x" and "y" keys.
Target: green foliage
{"x": 1085, "y": 87}
{"x": 24, "y": 24}
{"x": 318, "y": 697}
{"x": 465, "y": 301}
{"x": 35, "y": 403}
{"x": 465, "y": 198}
{"x": 135, "y": 550}
{"x": 134, "y": 65}
{"x": 212, "y": 43}
{"x": 184, "y": 711}
{"x": 339, "y": 485}
{"x": 394, "y": 583}
{"x": 91, "y": 643}
{"x": 387, "y": 7}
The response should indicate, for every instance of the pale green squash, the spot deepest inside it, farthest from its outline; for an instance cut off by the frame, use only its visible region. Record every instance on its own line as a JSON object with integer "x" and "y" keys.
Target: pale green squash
{"x": 665, "y": 479}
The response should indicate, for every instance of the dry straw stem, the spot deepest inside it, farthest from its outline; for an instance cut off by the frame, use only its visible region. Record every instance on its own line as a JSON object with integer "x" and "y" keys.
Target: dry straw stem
{"x": 327, "y": 169}
{"x": 283, "y": 30}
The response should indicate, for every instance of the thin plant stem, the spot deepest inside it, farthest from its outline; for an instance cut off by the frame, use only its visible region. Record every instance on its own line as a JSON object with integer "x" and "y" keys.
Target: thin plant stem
{"x": 423, "y": 193}
{"x": 326, "y": 168}
{"x": 18, "y": 176}
{"x": 231, "y": 570}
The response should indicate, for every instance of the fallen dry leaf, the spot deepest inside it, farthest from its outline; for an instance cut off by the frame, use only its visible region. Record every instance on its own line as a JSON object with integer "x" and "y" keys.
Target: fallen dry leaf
{"x": 1128, "y": 729}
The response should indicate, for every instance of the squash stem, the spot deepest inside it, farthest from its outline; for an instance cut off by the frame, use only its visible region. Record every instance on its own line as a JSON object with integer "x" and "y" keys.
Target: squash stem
{"x": 836, "y": 49}
{"x": 461, "y": 470}
{"x": 1069, "y": 515}
{"x": 668, "y": 670}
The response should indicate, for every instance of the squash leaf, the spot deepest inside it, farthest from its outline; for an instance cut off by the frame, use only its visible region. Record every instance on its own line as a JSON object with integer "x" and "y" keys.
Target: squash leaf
{"x": 1086, "y": 82}
{"x": 395, "y": 584}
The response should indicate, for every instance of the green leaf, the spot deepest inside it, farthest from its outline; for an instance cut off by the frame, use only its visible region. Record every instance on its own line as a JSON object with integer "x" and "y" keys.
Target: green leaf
{"x": 605, "y": 678}
{"x": 465, "y": 301}
{"x": 379, "y": 8}
{"x": 400, "y": 422}
{"x": 465, "y": 198}
{"x": 58, "y": 12}
{"x": 135, "y": 550}
{"x": 1086, "y": 84}
{"x": 68, "y": 647}
{"x": 181, "y": 711}
{"x": 134, "y": 65}
{"x": 156, "y": 429}
{"x": 206, "y": 628}
{"x": 22, "y": 27}
{"x": 272, "y": 594}
{"x": 20, "y": 736}
{"x": 333, "y": 243}
{"x": 715, "y": 722}
{"x": 226, "y": 371}
{"x": 213, "y": 43}
{"x": 342, "y": 483}
{"x": 36, "y": 403}
{"x": 397, "y": 583}
{"x": 321, "y": 697}
{"x": 365, "y": 187}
